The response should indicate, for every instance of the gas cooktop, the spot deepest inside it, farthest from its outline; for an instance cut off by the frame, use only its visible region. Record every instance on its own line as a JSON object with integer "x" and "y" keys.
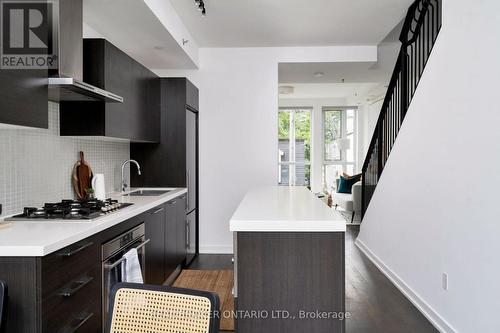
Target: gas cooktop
{"x": 70, "y": 210}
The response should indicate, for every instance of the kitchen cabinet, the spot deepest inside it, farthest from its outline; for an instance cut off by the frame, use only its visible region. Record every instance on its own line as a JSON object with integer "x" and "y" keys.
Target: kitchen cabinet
{"x": 166, "y": 162}
{"x": 56, "y": 293}
{"x": 136, "y": 119}
{"x": 182, "y": 232}
{"x": 191, "y": 225}
{"x": 155, "y": 232}
{"x": 63, "y": 291}
{"x": 174, "y": 161}
{"x": 175, "y": 236}
{"x": 24, "y": 96}
{"x": 170, "y": 239}
{"x": 60, "y": 292}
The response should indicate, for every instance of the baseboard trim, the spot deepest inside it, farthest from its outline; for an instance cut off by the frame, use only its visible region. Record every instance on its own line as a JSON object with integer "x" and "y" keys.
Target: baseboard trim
{"x": 439, "y": 322}
{"x": 216, "y": 249}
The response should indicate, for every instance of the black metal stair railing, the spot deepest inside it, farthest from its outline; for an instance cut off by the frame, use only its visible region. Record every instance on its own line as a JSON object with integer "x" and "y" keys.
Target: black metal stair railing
{"x": 418, "y": 36}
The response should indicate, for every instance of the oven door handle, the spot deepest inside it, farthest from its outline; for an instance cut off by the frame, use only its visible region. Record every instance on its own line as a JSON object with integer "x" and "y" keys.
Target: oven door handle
{"x": 119, "y": 261}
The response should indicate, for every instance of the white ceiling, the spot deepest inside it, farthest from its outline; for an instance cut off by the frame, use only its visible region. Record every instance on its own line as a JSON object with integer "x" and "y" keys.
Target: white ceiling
{"x": 347, "y": 72}
{"x": 356, "y": 82}
{"x": 333, "y": 72}
{"x": 349, "y": 91}
{"x": 132, "y": 27}
{"x": 242, "y": 23}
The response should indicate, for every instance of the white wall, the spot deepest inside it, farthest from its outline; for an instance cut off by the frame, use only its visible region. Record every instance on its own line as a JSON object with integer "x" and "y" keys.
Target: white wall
{"x": 238, "y": 125}
{"x": 436, "y": 209}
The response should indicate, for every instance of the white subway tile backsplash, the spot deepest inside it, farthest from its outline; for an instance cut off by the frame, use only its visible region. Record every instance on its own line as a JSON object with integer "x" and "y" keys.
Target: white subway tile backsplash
{"x": 36, "y": 164}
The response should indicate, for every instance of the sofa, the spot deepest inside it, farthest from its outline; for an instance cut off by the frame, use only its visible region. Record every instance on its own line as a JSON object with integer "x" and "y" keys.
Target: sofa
{"x": 350, "y": 202}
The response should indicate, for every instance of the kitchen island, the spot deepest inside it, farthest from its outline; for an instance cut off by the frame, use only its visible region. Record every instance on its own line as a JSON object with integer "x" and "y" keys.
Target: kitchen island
{"x": 289, "y": 262}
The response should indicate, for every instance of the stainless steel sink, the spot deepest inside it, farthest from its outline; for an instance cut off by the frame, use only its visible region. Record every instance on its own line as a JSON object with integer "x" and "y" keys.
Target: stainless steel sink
{"x": 147, "y": 193}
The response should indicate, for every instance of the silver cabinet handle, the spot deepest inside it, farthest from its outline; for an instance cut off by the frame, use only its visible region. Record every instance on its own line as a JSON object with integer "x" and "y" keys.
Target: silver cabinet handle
{"x": 78, "y": 249}
{"x": 187, "y": 183}
{"x": 158, "y": 210}
{"x": 188, "y": 236}
{"x": 79, "y": 284}
{"x": 82, "y": 320}
{"x": 173, "y": 202}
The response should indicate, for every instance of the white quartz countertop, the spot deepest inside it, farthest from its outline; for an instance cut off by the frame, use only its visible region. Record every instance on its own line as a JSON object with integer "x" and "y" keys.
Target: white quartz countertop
{"x": 39, "y": 238}
{"x": 285, "y": 209}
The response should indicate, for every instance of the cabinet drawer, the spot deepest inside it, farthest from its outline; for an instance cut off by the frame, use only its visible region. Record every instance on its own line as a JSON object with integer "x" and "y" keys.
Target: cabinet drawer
{"x": 64, "y": 265}
{"x": 75, "y": 307}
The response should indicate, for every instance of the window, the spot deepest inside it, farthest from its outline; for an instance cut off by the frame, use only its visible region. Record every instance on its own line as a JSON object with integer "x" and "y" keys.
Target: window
{"x": 294, "y": 147}
{"x": 339, "y": 144}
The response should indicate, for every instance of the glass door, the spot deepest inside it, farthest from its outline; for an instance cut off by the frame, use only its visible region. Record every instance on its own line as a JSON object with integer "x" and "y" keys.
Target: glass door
{"x": 294, "y": 146}
{"x": 339, "y": 144}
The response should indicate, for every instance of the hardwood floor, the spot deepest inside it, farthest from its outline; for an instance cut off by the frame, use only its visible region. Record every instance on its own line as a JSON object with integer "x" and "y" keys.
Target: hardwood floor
{"x": 375, "y": 304}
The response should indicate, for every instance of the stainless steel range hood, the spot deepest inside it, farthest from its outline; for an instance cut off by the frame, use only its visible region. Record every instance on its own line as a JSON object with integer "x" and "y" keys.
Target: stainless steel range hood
{"x": 66, "y": 82}
{"x": 69, "y": 89}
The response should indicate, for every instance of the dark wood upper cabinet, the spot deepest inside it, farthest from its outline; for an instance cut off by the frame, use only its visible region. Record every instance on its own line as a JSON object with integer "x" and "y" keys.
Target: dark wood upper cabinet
{"x": 164, "y": 164}
{"x": 24, "y": 96}
{"x": 136, "y": 119}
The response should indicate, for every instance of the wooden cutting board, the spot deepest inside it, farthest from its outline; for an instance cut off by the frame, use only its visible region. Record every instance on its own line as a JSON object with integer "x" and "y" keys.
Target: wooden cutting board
{"x": 81, "y": 177}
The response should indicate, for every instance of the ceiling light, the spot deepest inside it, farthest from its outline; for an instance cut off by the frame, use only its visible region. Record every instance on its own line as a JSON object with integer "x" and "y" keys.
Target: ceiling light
{"x": 201, "y": 6}
{"x": 319, "y": 74}
{"x": 285, "y": 90}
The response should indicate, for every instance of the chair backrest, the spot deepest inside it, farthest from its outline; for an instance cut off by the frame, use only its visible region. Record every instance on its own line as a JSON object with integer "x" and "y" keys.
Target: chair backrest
{"x": 3, "y": 305}
{"x": 141, "y": 308}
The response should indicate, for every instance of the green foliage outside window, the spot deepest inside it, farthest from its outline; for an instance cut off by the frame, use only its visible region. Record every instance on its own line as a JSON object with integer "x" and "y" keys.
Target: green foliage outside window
{"x": 283, "y": 125}
{"x": 302, "y": 132}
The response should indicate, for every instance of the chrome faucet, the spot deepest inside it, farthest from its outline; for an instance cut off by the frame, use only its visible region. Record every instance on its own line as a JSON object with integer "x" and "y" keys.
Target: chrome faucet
{"x": 124, "y": 184}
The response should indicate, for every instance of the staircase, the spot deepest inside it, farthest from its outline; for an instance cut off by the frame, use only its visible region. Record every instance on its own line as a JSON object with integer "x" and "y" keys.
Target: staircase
{"x": 418, "y": 36}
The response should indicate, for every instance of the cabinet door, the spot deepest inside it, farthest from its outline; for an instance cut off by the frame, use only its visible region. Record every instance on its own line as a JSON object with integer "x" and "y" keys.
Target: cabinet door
{"x": 109, "y": 68}
{"x": 119, "y": 78}
{"x": 155, "y": 250}
{"x": 181, "y": 229}
{"x": 171, "y": 239}
{"x": 191, "y": 158}
{"x": 24, "y": 94}
{"x": 191, "y": 227}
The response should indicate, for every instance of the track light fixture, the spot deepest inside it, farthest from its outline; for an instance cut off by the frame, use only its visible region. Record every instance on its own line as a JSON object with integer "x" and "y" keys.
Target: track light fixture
{"x": 201, "y": 6}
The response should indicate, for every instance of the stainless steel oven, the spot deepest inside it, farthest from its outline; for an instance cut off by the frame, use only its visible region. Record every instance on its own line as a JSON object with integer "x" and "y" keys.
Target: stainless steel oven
{"x": 112, "y": 260}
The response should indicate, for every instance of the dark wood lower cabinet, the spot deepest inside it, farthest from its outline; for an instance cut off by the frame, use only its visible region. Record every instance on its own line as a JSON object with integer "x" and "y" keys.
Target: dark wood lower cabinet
{"x": 181, "y": 227}
{"x": 155, "y": 249}
{"x": 175, "y": 235}
{"x": 61, "y": 292}
{"x": 295, "y": 279}
{"x": 170, "y": 239}
{"x": 75, "y": 307}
